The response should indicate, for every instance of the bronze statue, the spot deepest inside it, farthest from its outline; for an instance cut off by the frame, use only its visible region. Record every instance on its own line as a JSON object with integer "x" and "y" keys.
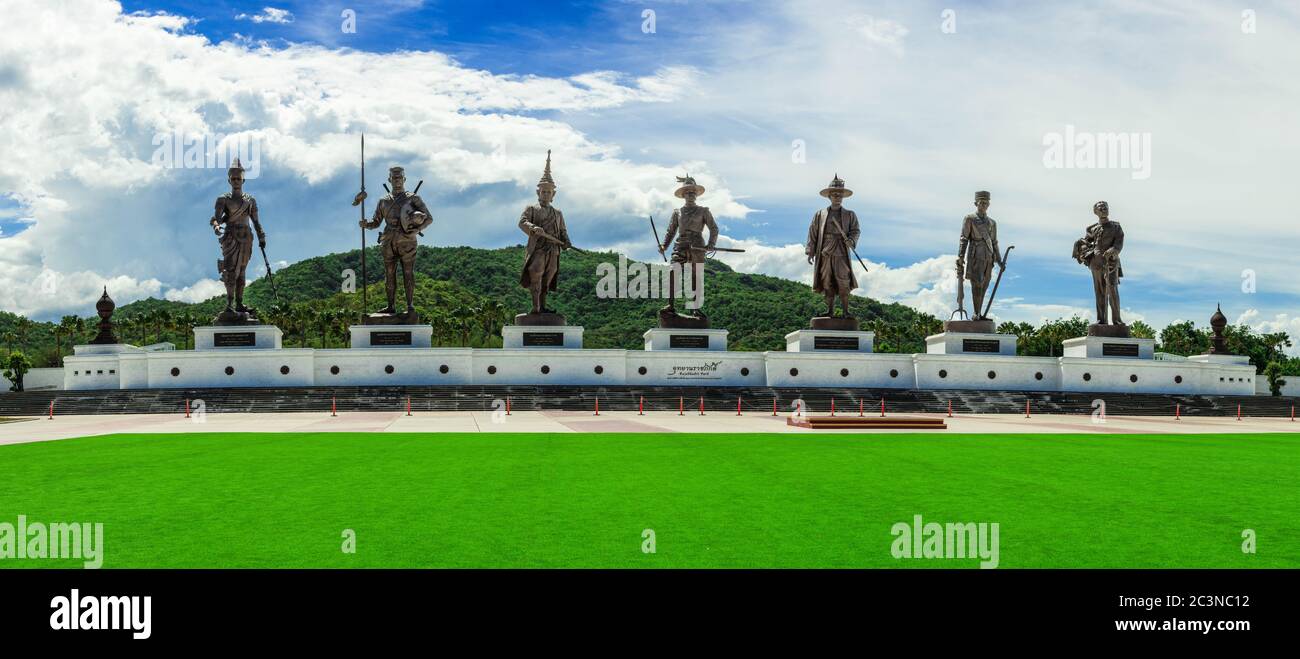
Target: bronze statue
{"x": 547, "y": 235}
{"x": 977, "y": 252}
{"x": 831, "y": 236}
{"x": 404, "y": 217}
{"x": 687, "y": 225}
{"x": 1099, "y": 250}
{"x": 230, "y": 222}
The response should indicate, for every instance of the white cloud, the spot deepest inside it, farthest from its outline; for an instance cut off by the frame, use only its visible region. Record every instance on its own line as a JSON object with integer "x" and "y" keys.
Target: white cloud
{"x": 200, "y": 291}
{"x": 268, "y": 15}
{"x": 78, "y": 157}
{"x": 1281, "y": 322}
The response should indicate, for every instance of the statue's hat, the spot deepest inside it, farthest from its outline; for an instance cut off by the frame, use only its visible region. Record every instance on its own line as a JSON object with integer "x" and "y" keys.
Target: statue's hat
{"x": 982, "y": 194}
{"x": 546, "y": 181}
{"x": 836, "y": 185}
{"x": 688, "y": 183}
{"x": 235, "y": 167}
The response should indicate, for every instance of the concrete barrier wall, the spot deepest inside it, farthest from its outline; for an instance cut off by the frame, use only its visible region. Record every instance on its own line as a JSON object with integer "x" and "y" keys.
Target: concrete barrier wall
{"x": 37, "y": 379}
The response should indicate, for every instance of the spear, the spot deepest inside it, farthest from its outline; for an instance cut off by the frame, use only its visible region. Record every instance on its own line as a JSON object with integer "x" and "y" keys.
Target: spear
{"x": 364, "y": 303}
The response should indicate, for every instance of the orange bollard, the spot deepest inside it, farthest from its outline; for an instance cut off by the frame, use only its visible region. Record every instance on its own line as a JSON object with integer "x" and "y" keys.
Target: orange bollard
{"x": 832, "y": 406}
{"x": 640, "y": 407}
{"x": 1238, "y": 411}
{"x": 1293, "y": 413}
{"x": 597, "y": 405}
{"x": 187, "y": 408}
{"x": 738, "y": 406}
{"x": 950, "y": 408}
{"x": 1178, "y": 411}
{"x": 507, "y": 406}
{"x": 408, "y": 406}
{"x": 51, "y": 410}
{"x": 1026, "y": 408}
{"x": 774, "y": 406}
{"x": 334, "y": 406}
{"x": 701, "y": 405}
{"x": 882, "y": 407}
{"x": 860, "y": 408}
{"x": 681, "y": 406}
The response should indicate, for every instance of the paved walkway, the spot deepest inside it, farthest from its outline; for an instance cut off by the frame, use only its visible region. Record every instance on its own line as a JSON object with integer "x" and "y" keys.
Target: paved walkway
{"x": 41, "y": 429}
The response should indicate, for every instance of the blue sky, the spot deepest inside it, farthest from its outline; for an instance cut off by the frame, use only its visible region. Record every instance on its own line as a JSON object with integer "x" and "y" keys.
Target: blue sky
{"x": 915, "y": 108}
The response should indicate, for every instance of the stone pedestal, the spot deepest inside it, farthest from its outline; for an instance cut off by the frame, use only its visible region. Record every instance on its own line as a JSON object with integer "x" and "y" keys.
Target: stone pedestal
{"x": 237, "y": 337}
{"x": 1213, "y": 358}
{"x": 1094, "y": 347}
{"x": 391, "y": 336}
{"x": 391, "y": 319}
{"x": 1109, "y": 331}
{"x": 541, "y": 319}
{"x": 660, "y": 338}
{"x": 671, "y": 319}
{"x": 814, "y": 340}
{"x": 971, "y": 343}
{"x": 837, "y": 323}
{"x": 542, "y": 336}
{"x": 985, "y": 326}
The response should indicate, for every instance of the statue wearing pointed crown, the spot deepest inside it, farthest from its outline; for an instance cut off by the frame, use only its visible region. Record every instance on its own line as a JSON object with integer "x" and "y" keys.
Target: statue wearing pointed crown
{"x": 230, "y": 221}
{"x": 547, "y": 237}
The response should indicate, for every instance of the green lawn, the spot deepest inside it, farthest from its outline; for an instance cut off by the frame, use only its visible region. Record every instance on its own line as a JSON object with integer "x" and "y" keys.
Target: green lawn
{"x": 582, "y": 500}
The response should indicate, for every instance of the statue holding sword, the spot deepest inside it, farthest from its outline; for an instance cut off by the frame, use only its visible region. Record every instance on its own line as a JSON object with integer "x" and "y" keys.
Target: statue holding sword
{"x": 832, "y": 235}
{"x": 230, "y": 222}
{"x": 687, "y": 226}
{"x": 977, "y": 253}
{"x": 547, "y": 237}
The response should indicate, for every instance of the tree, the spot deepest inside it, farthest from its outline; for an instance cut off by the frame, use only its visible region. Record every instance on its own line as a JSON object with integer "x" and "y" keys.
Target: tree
{"x": 1273, "y": 373}
{"x": 302, "y": 318}
{"x": 16, "y": 366}
{"x": 9, "y": 339}
{"x": 1140, "y": 330}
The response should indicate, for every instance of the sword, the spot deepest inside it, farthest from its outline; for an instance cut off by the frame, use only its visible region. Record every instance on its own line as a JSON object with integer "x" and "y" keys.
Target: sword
{"x": 546, "y": 236}
{"x": 716, "y": 249}
{"x": 658, "y": 244}
{"x": 1001, "y": 269}
{"x": 855, "y": 249}
{"x": 269, "y": 278}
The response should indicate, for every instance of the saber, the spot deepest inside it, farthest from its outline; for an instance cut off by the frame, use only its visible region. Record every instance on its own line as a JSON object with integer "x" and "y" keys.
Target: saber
{"x": 855, "y": 249}
{"x": 269, "y": 278}
{"x": 717, "y": 249}
{"x": 657, "y": 243}
{"x": 546, "y": 236}
{"x": 997, "y": 281}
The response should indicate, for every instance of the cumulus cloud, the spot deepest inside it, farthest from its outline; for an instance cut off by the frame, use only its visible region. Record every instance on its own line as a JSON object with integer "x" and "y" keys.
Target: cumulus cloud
{"x": 199, "y": 291}
{"x": 81, "y": 160}
{"x": 1281, "y": 322}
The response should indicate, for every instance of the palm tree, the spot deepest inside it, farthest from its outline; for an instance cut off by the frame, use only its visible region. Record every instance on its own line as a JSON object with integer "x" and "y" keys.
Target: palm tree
{"x": 9, "y": 339}
{"x": 68, "y": 326}
{"x": 23, "y": 326}
{"x": 302, "y": 321}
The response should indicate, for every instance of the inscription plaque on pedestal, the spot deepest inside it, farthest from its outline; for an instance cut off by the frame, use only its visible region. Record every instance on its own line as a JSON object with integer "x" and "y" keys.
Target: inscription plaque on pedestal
{"x": 234, "y": 340}
{"x": 688, "y": 341}
{"x": 835, "y": 343}
{"x": 1119, "y": 350}
{"x": 390, "y": 338}
{"x": 992, "y": 346}
{"x": 543, "y": 339}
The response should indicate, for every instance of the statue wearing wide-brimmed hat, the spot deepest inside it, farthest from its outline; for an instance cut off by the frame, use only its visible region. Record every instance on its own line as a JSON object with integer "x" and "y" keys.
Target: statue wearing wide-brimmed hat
{"x": 689, "y": 251}
{"x": 832, "y": 234}
{"x": 547, "y": 236}
{"x": 230, "y": 221}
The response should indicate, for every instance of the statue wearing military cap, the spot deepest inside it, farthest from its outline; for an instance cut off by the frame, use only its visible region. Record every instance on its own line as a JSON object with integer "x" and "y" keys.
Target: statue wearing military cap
{"x": 404, "y": 216}
{"x": 977, "y": 253}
